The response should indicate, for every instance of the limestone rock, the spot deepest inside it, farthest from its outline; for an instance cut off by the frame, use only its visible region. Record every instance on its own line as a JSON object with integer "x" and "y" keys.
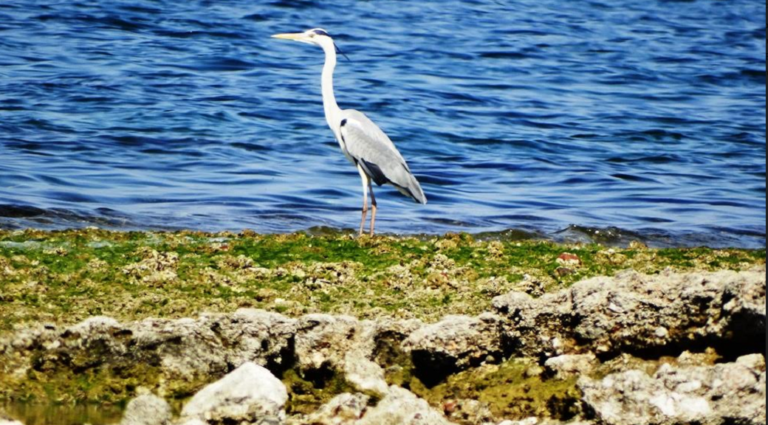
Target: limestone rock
{"x": 388, "y": 336}
{"x": 456, "y": 343}
{"x": 711, "y": 395}
{"x": 567, "y": 366}
{"x": 633, "y": 312}
{"x": 249, "y": 394}
{"x": 402, "y": 407}
{"x": 185, "y": 352}
{"x": 542, "y": 421}
{"x": 213, "y": 344}
{"x": 468, "y": 411}
{"x": 192, "y": 422}
{"x": 342, "y": 344}
{"x": 344, "y": 409}
{"x": 147, "y": 409}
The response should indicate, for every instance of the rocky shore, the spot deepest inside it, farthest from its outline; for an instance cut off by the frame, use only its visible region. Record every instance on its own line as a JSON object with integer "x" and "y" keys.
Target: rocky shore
{"x": 671, "y": 346}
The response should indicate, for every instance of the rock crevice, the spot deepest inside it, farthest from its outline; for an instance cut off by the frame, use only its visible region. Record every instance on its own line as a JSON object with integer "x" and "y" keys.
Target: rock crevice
{"x": 631, "y": 349}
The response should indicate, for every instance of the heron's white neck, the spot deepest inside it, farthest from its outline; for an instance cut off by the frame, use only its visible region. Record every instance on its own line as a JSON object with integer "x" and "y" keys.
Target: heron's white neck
{"x": 332, "y": 110}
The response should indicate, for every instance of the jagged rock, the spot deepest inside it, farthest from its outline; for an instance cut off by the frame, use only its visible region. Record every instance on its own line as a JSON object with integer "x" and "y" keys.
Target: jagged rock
{"x": 456, "y": 343}
{"x": 640, "y": 313}
{"x": 567, "y": 366}
{"x": 147, "y": 409}
{"x": 342, "y": 344}
{"x": 388, "y": 336}
{"x": 185, "y": 352}
{"x": 753, "y": 362}
{"x": 706, "y": 358}
{"x": 540, "y": 421}
{"x": 468, "y": 411}
{"x": 214, "y": 344}
{"x": 249, "y": 394}
{"x": 192, "y": 422}
{"x": 399, "y": 406}
{"x": 344, "y": 409}
{"x": 712, "y": 395}
{"x": 402, "y": 407}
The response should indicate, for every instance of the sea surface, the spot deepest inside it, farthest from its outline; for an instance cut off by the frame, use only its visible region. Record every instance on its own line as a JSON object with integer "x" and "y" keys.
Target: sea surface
{"x": 571, "y": 120}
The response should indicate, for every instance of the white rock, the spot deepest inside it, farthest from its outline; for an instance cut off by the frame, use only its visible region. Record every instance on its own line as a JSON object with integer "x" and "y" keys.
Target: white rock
{"x": 402, "y": 407}
{"x": 192, "y": 422}
{"x": 249, "y": 393}
{"x": 342, "y": 344}
{"x": 753, "y": 361}
{"x": 456, "y": 342}
{"x": 716, "y": 394}
{"x": 344, "y": 409}
{"x": 147, "y": 409}
{"x": 566, "y": 366}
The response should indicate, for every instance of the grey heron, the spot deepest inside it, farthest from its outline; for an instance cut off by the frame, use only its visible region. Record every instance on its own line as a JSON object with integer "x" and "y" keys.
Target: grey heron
{"x": 362, "y": 142}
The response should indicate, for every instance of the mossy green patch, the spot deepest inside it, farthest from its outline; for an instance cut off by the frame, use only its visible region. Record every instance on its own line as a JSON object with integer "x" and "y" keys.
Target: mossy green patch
{"x": 107, "y": 384}
{"x": 516, "y": 389}
{"x": 64, "y": 277}
{"x": 307, "y": 393}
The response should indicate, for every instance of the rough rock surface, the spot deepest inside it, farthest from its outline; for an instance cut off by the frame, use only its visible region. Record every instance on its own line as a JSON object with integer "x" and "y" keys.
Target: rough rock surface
{"x": 456, "y": 343}
{"x": 571, "y": 365}
{"x": 720, "y": 394}
{"x": 400, "y": 406}
{"x": 625, "y": 326}
{"x": 467, "y": 411}
{"x": 192, "y": 422}
{"x": 539, "y": 421}
{"x": 640, "y": 314}
{"x": 184, "y": 351}
{"x": 341, "y": 344}
{"x": 147, "y": 409}
{"x": 249, "y": 394}
{"x": 344, "y": 409}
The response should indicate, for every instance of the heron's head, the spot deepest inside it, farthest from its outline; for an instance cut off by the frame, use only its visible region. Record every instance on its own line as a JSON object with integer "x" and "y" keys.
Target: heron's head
{"x": 316, "y": 37}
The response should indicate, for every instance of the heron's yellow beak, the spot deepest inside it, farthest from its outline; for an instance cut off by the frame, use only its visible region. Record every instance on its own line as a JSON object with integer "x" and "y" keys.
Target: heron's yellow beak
{"x": 298, "y": 36}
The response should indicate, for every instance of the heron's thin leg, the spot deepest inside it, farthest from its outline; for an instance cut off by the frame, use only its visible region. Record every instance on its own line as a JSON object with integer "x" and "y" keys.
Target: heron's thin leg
{"x": 373, "y": 207}
{"x": 366, "y": 185}
{"x": 365, "y": 213}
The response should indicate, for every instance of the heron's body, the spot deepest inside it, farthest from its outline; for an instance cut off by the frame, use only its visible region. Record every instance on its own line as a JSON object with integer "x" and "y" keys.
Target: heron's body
{"x": 363, "y": 143}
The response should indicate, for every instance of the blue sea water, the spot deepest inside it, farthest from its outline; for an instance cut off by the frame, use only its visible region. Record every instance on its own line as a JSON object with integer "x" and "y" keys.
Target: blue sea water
{"x": 629, "y": 119}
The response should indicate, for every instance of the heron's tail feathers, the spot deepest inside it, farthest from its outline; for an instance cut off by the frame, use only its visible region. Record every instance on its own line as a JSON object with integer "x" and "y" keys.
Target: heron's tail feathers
{"x": 412, "y": 189}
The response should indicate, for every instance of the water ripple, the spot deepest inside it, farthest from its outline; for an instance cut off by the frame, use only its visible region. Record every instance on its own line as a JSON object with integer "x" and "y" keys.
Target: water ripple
{"x": 633, "y": 119}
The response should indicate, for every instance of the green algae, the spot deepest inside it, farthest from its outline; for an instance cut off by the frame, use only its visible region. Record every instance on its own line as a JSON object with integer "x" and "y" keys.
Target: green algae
{"x": 63, "y": 414}
{"x": 66, "y": 276}
{"x": 307, "y": 393}
{"x": 515, "y": 389}
{"x": 62, "y": 278}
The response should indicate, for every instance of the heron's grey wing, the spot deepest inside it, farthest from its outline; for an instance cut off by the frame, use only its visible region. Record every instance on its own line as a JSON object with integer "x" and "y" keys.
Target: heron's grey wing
{"x": 377, "y": 155}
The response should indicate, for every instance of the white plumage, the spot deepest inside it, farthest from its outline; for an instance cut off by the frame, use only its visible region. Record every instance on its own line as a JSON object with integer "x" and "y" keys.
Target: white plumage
{"x": 362, "y": 142}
